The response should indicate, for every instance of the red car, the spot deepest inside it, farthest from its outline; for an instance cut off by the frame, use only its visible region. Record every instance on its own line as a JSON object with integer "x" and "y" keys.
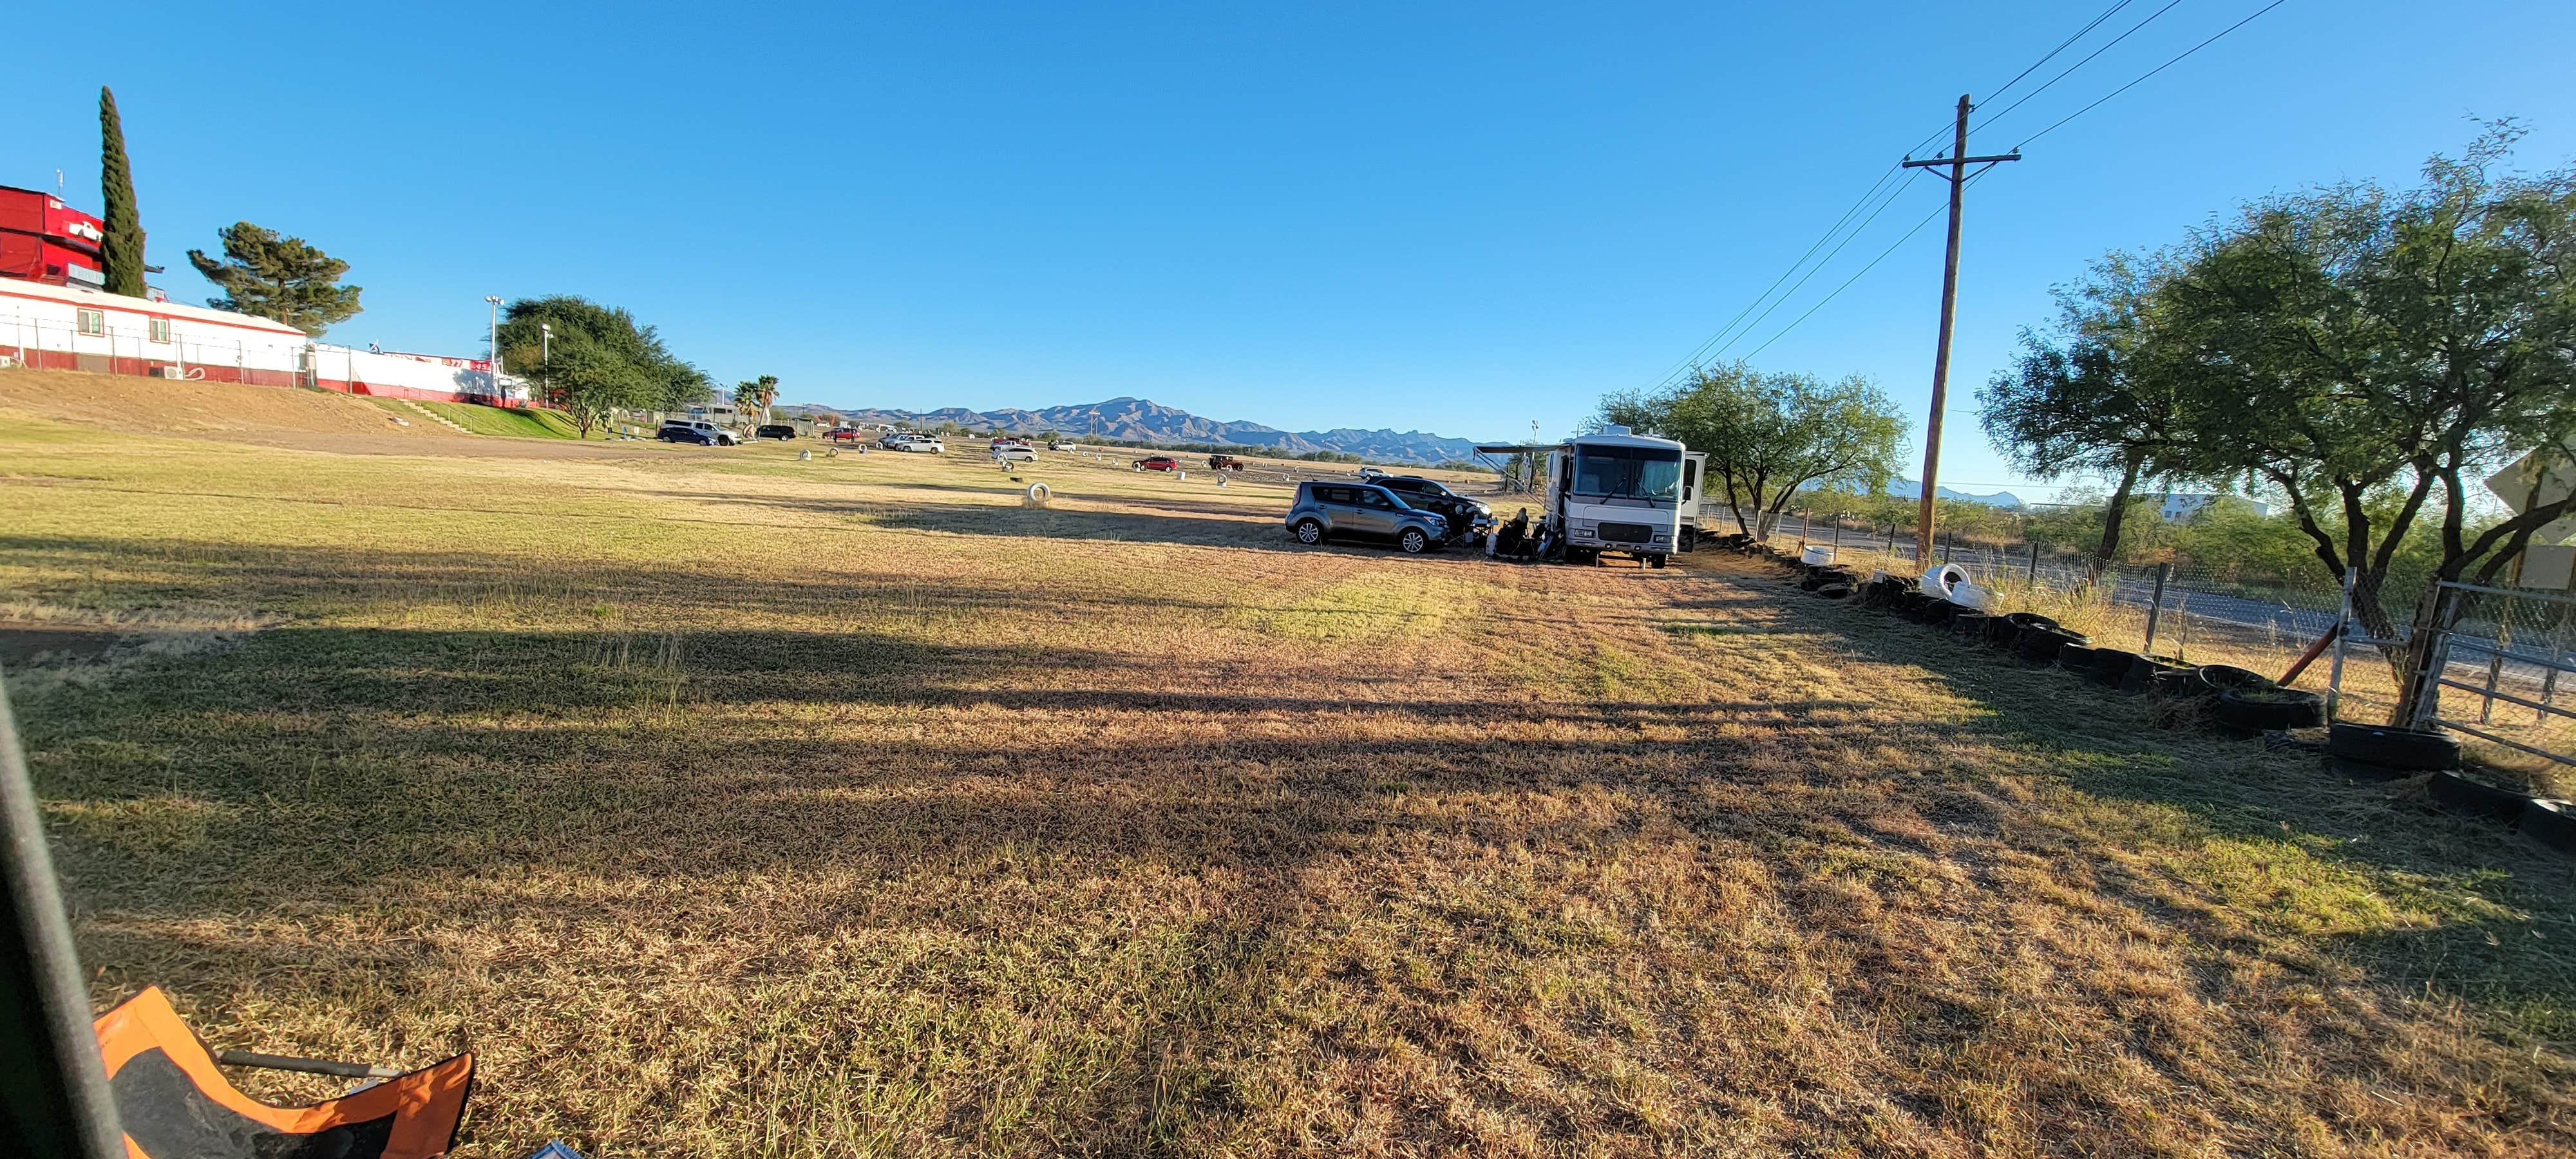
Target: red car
{"x": 843, "y": 435}
{"x": 1158, "y": 463}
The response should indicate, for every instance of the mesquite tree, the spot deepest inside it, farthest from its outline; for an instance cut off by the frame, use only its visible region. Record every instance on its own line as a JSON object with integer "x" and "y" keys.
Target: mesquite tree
{"x": 2090, "y": 397}
{"x": 1768, "y": 434}
{"x": 2367, "y": 354}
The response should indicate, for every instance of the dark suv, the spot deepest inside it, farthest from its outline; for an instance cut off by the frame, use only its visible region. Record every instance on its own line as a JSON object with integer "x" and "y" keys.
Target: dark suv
{"x": 1364, "y": 511}
{"x": 1466, "y": 516}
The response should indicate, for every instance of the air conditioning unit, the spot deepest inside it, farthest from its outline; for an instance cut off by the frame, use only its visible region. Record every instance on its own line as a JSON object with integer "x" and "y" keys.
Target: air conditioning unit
{"x": 168, "y": 372}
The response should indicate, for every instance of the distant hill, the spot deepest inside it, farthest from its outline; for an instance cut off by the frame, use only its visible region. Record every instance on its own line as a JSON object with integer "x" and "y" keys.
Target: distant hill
{"x": 1909, "y": 489}
{"x": 1143, "y": 421}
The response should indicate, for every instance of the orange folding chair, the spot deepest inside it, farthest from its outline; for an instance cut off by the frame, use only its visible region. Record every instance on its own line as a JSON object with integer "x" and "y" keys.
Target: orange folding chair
{"x": 173, "y": 1102}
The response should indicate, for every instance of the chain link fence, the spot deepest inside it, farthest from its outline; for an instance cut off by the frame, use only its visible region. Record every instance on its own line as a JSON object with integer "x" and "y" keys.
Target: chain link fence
{"x": 2499, "y": 671}
{"x": 2187, "y": 611}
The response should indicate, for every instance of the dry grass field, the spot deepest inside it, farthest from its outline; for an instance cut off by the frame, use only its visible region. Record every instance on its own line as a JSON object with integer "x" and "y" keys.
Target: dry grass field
{"x": 730, "y": 804}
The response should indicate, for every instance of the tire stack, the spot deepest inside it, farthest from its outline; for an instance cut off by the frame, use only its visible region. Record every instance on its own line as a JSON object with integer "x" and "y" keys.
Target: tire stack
{"x": 2371, "y": 752}
{"x": 1829, "y": 581}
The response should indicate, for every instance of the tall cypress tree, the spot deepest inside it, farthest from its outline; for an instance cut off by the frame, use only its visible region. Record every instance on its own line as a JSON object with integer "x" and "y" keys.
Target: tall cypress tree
{"x": 122, "y": 252}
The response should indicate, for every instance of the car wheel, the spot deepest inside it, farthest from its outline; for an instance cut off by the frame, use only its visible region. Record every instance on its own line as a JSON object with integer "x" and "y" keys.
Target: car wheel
{"x": 1414, "y": 542}
{"x": 1654, "y": 561}
{"x": 1309, "y": 532}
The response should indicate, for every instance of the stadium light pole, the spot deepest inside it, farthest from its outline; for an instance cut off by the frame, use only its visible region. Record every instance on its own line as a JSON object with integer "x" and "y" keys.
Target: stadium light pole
{"x": 496, "y": 342}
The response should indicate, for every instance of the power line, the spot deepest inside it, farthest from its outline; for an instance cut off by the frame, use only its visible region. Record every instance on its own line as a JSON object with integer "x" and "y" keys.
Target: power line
{"x": 1729, "y": 334}
{"x": 1819, "y": 267}
{"x": 1998, "y": 93}
{"x": 2151, "y": 72}
{"x": 2088, "y": 59}
{"x": 1758, "y": 299}
{"x": 1847, "y": 282}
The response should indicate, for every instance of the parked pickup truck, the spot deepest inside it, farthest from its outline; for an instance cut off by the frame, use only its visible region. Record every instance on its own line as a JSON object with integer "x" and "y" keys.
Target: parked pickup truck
{"x": 1224, "y": 463}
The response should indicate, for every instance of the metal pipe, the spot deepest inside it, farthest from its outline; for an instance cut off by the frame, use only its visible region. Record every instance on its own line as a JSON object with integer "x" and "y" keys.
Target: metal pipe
{"x": 2342, "y": 642}
{"x": 71, "y": 1112}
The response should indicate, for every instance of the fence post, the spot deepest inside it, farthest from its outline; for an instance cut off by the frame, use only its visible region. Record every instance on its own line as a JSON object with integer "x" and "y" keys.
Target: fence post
{"x": 2343, "y": 636}
{"x": 2156, "y": 606}
{"x": 2430, "y": 657}
{"x": 2034, "y": 563}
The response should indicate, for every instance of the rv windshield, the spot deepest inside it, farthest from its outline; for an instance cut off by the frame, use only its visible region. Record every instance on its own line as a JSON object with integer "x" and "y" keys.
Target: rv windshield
{"x": 1628, "y": 472}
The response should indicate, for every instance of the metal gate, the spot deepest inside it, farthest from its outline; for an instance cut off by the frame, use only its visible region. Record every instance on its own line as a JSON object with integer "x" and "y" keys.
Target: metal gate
{"x": 2497, "y": 667}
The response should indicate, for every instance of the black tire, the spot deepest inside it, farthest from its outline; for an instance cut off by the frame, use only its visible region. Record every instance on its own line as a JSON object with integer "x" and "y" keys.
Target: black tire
{"x": 2219, "y": 678}
{"x": 1834, "y": 591}
{"x": 1655, "y": 561}
{"x": 2040, "y": 645}
{"x": 1968, "y": 625}
{"x": 2393, "y": 748}
{"x": 2001, "y": 632}
{"x": 2174, "y": 684}
{"x": 2549, "y": 823}
{"x": 2265, "y": 709}
{"x": 2076, "y": 657}
{"x": 1310, "y": 532}
{"x": 1938, "y": 611}
{"x": 2144, "y": 674}
{"x": 2462, "y": 795}
{"x": 2111, "y": 666}
{"x": 2365, "y": 771}
{"x": 1413, "y": 541}
{"x": 2021, "y": 620}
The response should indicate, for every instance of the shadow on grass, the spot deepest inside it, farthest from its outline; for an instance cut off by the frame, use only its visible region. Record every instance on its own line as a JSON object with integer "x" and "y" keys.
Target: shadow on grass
{"x": 322, "y": 770}
{"x": 2517, "y": 958}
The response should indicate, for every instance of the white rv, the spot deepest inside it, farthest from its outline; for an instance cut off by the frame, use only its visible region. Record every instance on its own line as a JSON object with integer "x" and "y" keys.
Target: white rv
{"x": 1695, "y": 513}
{"x": 1613, "y": 491}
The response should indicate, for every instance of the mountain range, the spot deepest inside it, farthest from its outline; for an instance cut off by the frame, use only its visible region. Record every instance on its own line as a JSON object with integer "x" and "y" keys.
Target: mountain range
{"x": 1143, "y": 421}
{"x": 1909, "y": 489}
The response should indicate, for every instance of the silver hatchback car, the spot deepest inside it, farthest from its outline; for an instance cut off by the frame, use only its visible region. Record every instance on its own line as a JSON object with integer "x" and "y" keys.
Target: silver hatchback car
{"x": 1363, "y": 511}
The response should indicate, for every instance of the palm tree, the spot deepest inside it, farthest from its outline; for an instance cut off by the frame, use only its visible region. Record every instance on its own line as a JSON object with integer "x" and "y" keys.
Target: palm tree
{"x": 757, "y": 395}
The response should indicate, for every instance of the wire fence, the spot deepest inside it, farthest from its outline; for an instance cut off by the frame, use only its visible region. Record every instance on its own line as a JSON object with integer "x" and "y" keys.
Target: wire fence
{"x": 2185, "y": 611}
{"x": 2500, "y": 672}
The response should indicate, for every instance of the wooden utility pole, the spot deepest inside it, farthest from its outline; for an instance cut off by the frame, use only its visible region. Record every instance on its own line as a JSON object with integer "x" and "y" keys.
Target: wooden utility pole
{"x": 1957, "y": 162}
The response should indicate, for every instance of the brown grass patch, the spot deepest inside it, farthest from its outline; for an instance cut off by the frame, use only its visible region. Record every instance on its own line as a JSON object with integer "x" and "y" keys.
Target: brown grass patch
{"x": 731, "y": 804}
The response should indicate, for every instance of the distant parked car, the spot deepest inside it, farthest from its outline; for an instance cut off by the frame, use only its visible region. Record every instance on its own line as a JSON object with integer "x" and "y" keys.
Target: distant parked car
{"x": 699, "y": 431}
{"x": 922, "y": 444}
{"x": 779, "y": 431}
{"x": 1013, "y": 453}
{"x": 895, "y": 440}
{"x": 1224, "y": 463}
{"x": 1466, "y": 516}
{"x": 844, "y": 434}
{"x": 1371, "y": 473}
{"x": 1061, "y": 445}
{"x": 1363, "y": 511}
{"x": 1158, "y": 463}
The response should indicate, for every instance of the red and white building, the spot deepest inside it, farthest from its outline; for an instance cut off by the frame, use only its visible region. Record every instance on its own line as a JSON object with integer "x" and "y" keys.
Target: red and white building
{"x": 55, "y": 316}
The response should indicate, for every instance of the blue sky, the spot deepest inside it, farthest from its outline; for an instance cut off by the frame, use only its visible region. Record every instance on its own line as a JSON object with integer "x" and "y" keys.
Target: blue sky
{"x": 1457, "y": 218}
